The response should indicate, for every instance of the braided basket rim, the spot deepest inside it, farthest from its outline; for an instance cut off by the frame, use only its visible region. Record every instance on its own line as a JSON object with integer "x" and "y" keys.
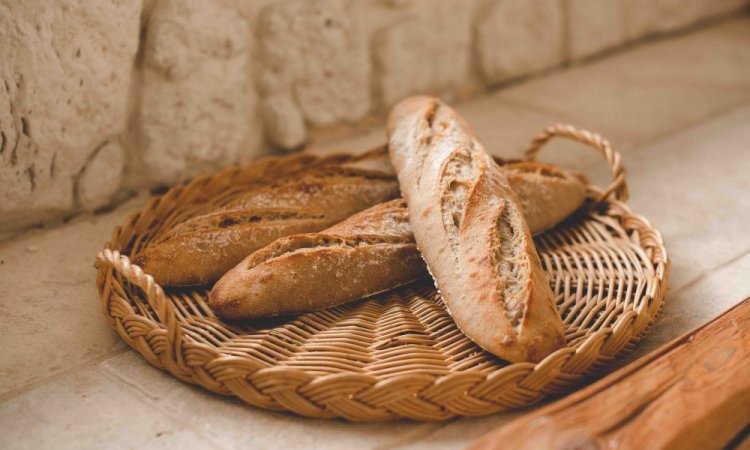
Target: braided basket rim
{"x": 160, "y": 338}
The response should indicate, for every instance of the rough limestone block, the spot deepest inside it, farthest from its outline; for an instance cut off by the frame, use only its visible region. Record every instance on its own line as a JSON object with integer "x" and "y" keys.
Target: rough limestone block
{"x": 594, "y": 26}
{"x": 645, "y": 17}
{"x": 427, "y": 51}
{"x": 315, "y": 52}
{"x": 101, "y": 177}
{"x": 65, "y": 69}
{"x": 285, "y": 125}
{"x": 519, "y": 37}
{"x": 198, "y": 101}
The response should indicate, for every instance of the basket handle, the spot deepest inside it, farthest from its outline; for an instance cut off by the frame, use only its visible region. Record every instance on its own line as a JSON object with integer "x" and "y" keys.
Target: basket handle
{"x": 154, "y": 293}
{"x": 618, "y": 187}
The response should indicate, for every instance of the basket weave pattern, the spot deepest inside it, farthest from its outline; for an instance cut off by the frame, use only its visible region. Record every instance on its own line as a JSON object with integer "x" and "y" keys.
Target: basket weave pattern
{"x": 398, "y": 354}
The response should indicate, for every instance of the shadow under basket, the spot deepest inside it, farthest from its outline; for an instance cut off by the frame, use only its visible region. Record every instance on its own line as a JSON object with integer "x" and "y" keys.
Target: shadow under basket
{"x": 398, "y": 354}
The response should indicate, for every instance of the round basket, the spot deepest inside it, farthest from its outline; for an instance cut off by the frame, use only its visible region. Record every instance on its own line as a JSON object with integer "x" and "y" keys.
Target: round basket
{"x": 397, "y": 354}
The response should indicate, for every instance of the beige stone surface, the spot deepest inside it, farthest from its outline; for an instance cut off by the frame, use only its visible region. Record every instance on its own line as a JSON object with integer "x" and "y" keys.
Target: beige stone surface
{"x": 437, "y": 34}
{"x": 519, "y": 37}
{"x": 693, "y": 187}
{"x": 66, "y": 71}
{"x": 100, "y": 178}
{"x": 50, "y": 319}
{"x": 506, "y": 131}
{"x": 231, "y": 424}
{"x": 635, "y": 96}
{"x": 62, "y": 367}
{"x": 198, "y": 102}
{"x": 594, "y": 26}
{"x": 459, "y": 433}
{"x": 645, "y": 17}
{"x": 86, "y": 410}
{"x": 353, "y": 143}
{"x": 315, "y": 52}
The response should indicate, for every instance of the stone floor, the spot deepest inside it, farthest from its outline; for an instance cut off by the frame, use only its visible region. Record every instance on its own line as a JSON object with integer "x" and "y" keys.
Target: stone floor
{"x": 678, "y": 109}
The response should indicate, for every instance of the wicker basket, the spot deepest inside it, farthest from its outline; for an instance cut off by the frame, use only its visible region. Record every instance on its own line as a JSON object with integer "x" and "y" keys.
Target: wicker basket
{"x": 398, "y": 354}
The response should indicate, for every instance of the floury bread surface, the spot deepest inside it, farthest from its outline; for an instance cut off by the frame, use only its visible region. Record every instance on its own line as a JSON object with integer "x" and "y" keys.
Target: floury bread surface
{"x": 469, "y": 227}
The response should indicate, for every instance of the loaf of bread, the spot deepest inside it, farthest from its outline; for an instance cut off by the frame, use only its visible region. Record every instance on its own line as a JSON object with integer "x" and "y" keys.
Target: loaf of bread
{"x": 547, "y": 194}
{"x": 372, "y": 251}
{"x": 314, "y": 193}
{"x": 469, "y": 227}
{"x": 201, "y": 249}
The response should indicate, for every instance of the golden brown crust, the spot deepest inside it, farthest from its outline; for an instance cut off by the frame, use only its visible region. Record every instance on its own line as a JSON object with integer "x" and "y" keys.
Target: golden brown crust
{"x": 202, "y": 256}
{"x": 201, "y": 249}
{"x": 546, "y": 194}
{"x": 468, "y": 225}
{"x": 368, "y": 253}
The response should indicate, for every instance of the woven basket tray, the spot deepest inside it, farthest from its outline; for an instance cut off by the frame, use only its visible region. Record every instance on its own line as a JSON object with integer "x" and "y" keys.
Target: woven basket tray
{"x": 398, "y": 354}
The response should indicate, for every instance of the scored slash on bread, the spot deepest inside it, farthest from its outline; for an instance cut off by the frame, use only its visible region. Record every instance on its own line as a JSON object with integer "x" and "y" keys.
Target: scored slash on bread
{"x": 468, "y": 225}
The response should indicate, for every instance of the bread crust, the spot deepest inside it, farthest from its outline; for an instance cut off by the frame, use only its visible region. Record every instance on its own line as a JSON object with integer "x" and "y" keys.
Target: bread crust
{"x": 468, "y": 225}
{"x": 368, "y": 253}
{"x": 546, "y": 194}
{"x": 201, "y": 249}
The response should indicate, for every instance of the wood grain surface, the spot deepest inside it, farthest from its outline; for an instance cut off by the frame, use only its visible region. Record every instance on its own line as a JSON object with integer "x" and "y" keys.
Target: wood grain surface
{"x": 693, "y": 392}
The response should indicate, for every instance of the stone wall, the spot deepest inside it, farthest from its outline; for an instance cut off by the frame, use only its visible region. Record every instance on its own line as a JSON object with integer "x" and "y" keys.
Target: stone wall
{"x": 98, "y": 98}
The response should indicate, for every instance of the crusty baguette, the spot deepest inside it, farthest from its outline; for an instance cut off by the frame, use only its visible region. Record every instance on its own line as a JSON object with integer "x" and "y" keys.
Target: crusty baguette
{"x": 546, "y": 194}
{"x": 471, "y": 232}
{"x": 201, "y": 249}
{"x": 270, "y": 170}
{"x": 370, "y": 252}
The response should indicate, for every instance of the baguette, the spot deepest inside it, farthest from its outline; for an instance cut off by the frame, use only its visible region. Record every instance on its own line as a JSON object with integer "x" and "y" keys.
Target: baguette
{"x": 546, "y": 194}
{"x": 469, "y": 227}
{"x": 201, "y": 249}
{"x": 371, "y": 252}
